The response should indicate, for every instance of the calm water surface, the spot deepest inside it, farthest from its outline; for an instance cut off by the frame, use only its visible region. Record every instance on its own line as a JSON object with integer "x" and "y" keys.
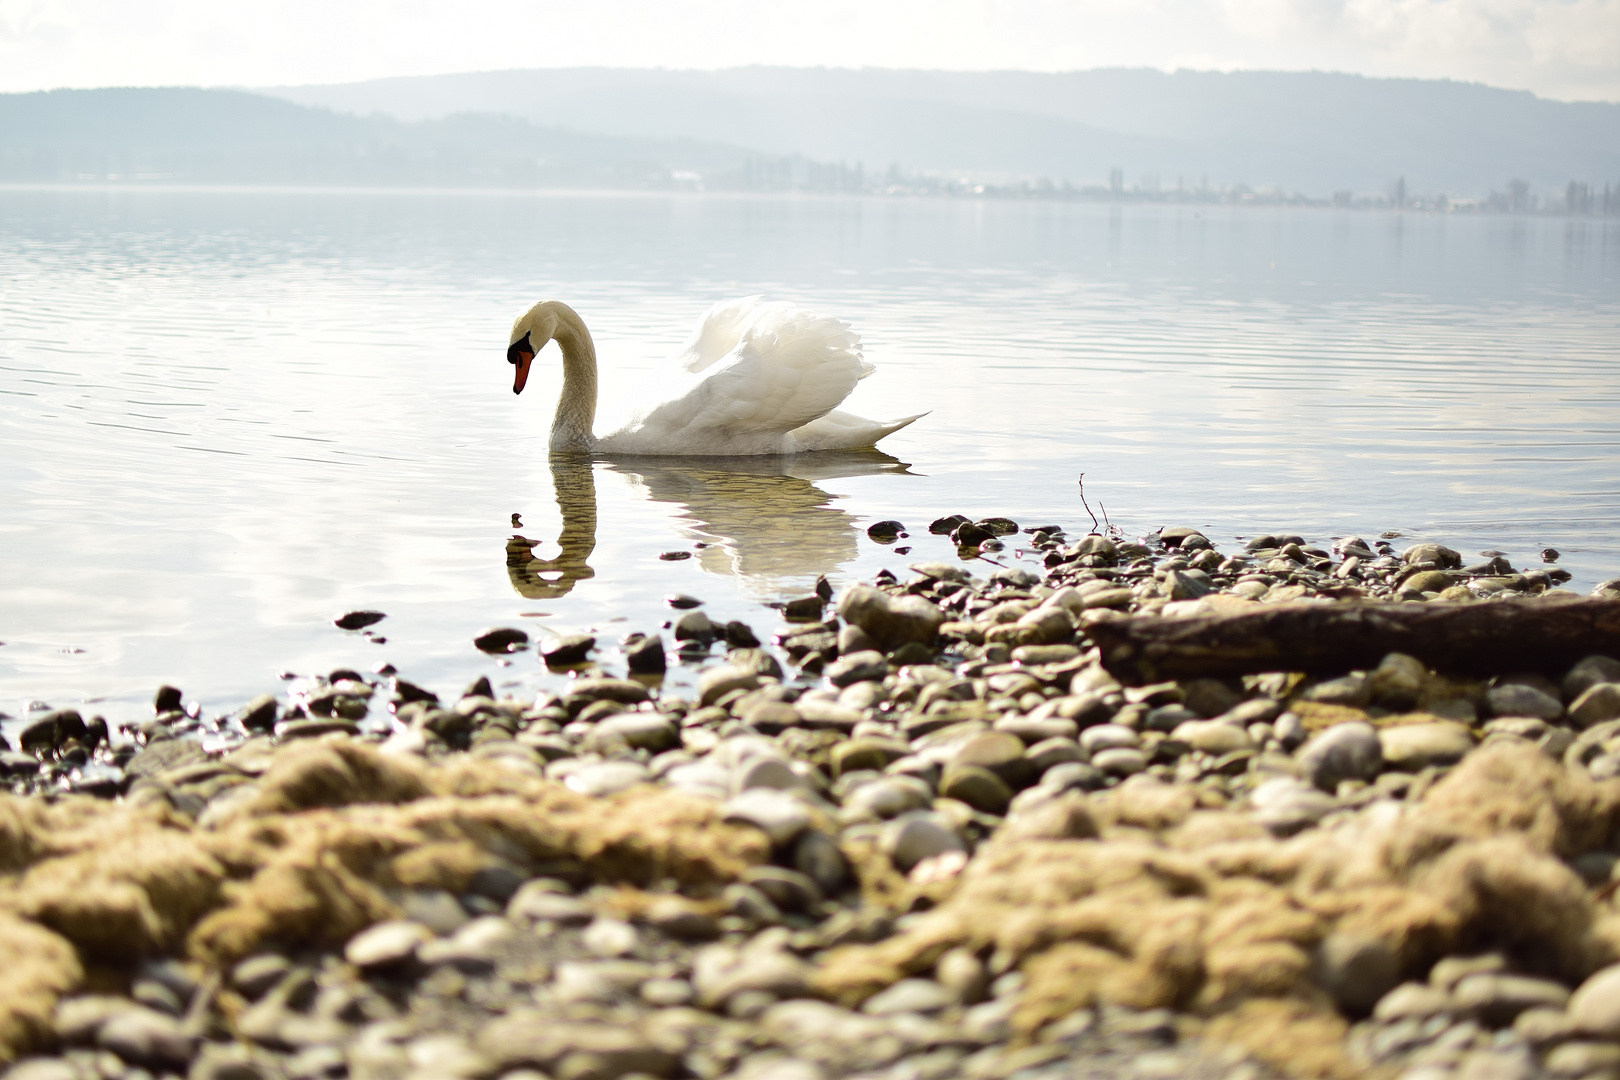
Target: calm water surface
{"x": 227, "y": 416}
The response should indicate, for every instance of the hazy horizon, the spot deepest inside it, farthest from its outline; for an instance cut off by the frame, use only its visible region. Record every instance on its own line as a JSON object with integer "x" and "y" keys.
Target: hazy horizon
{"x": 1563, "y": 50}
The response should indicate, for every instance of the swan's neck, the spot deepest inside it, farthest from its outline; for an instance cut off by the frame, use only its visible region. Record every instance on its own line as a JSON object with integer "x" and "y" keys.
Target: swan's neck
{"x": 576, "y": 408}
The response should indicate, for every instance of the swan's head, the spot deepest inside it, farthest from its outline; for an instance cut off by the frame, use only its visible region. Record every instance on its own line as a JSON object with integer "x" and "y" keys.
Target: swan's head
{"x": 529, "y": 335}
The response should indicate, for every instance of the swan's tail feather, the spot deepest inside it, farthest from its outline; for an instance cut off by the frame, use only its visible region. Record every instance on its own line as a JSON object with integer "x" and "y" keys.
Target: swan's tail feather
{"x": 846, "y": 431}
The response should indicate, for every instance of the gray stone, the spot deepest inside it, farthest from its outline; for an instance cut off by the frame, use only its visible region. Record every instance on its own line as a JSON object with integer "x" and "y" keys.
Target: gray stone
{"x": 386, "y": 944}
{"x": 78, "y": 1019}
{"x": 1413, "y": 747}
{"x": 230, "y": 1061}
{"x": 767, "y": 772}
{"x": 1357, "y": 971}
{"x": 721, "y": 971}
{"x": 835, "y": 1038}
{"x": 435, "y": 909}
{"x": 1412, "y": 999}
{"x": 1285, "y": 805}
{"x": 1213, "y": 736}
{"x": 257, "y": 974}
{"x": 43, "y": 1069}
{"x": 1397, "y": 682}
{"x": 1451, "y": 970}
{"x": 638, "y": 730}
{"x": 1120, "y": 761}
{"x": 667, "y": 993}
{"x": 1054, "y": 751}
{"x": 1588, "y": 673}
{"x": 716, "y": 682}
{"x": 978, "y": 787}
{"x": 1431, "y": 553}
{"x": 538, "y": 901}
{"x": 1347, "y": 751}
{"x": 601, "y": 778}
{"x": 777, "y": 814}
{"x": 999, "y": 751}
{"x": 910, "y": 996}
{"x": 1597, "y": 703}
{"x": 609, "y": 937}
{"x": 857, "y": 667}
{"x": 1595, "y": 1005}
{"x": 916, "y": 837}
{"x": 1354, "y": 690}
{"x": 475, "y": 947}
{"x": 577, "y": 1049}
{"x": 1516, "y": 699}
{"x": 1584, "y": 1059}
{"x": 818, "y": 857}
{"x": 788, "y": 889}
{"x": 694, "y": 626}
{"x": 1498, "y": 998}
{"x": 889, "y": 621}
{"x": 146, "y": 1037}
{"x": 886, "y": 798}
{"x": 1102, "y": 737}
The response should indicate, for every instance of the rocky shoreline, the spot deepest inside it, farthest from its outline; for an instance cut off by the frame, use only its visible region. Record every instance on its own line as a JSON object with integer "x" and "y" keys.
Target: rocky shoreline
{"x": 932, "y": 830}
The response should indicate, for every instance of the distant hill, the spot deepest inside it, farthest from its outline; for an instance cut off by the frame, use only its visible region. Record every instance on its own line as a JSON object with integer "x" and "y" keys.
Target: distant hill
{"x": 229, "y": 136}
{"x": 1312, "y": 132}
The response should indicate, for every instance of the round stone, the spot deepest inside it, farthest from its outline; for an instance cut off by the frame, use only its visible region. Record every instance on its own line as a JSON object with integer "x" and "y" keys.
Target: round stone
{"x": 910, "y": 996}
{"x": 609, "y": 937}
{"x": 1213, "y": 736}
{"x": 978, "y": 787}
{"x": 1120, "y": 761}
{"x": 1108, "y": 737}
{"x": 1515, "y": 699}
{"x": 386, "y": 944}
{"x": 999, "y": 751}
{"x": 1595, "y": 1005}
{"x": 912, "y": 839}
{"x": 775, "y": 813}
{"x": 1347, "y": 751}
{"x": 1413, "y": 747}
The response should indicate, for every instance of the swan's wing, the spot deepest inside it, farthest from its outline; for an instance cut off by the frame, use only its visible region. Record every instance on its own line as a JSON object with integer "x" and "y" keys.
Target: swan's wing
{"x": 718, "y": 331}
{"x": 790, "y": 367}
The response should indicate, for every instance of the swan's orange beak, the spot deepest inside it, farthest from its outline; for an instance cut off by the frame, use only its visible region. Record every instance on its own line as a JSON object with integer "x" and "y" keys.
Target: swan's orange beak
{"x": 524, "y": 359}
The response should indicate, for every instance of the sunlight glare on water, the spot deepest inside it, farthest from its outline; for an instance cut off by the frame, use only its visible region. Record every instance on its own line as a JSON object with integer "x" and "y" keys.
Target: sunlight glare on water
{"x": 227, "y": 416}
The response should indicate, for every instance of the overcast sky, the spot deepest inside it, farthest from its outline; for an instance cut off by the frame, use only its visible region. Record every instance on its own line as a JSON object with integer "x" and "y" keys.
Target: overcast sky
{"x": 1567, "y": 49}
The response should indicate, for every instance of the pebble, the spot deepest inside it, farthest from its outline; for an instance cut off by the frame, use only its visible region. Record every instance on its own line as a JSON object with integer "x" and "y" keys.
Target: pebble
{"x": 1597, "y": 703}
{"x": 1413, "y": 747}
{"x": 977, "y": 787}
{"x": 567, "y": 651}
{"x": 1595, "y": 1005}
{"x": 1499, "y": 998}
{"x": 1347, "y": 751}
{"x": 777, "y": 814}
{"x": 909, "y": 996}
{"x": 358, "y": 620}
{"x": 1514, "y": 699}
{"x": 502, "y": 639}
{"x": 915, "y": 837}
{"x": 1119, "y": 761}
{"x": 386, "y": 944}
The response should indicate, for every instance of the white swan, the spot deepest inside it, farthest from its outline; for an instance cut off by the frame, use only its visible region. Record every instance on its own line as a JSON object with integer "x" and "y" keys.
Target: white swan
{"x": 754, "y": 378}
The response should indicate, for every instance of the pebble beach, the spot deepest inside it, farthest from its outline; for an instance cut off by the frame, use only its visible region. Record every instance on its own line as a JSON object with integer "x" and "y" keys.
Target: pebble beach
{"x": 955, "y": 821}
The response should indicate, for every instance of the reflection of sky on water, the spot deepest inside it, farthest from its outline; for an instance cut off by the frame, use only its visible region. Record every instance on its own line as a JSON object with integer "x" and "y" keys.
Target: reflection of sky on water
{"x": 226, "y": 417}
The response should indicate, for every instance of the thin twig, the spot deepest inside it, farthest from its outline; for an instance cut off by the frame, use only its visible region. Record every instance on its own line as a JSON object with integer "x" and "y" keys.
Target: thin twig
{"x": 1082, "y": 483}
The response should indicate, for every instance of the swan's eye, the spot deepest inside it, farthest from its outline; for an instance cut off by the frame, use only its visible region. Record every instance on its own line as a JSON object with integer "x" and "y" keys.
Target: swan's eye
{"x": 515, "y": 351}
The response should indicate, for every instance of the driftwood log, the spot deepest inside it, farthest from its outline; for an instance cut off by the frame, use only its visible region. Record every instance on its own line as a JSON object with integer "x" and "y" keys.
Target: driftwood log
{"x": 1328, "y": 639}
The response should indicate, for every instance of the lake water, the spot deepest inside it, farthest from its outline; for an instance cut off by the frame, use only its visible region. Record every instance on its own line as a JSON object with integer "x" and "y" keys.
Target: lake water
{"x": 226, "y": 417}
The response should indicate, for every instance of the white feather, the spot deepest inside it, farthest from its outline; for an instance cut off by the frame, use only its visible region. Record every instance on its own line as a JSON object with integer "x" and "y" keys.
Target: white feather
{"x": 759, "y": 378}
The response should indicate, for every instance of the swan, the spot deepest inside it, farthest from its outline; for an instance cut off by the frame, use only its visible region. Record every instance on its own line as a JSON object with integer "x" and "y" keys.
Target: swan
{"x": 755, "y": 377}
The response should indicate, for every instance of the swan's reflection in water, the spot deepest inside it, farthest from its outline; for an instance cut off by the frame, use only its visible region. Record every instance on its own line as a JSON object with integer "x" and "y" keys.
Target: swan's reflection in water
{"x": 547, "y": 579}
{"x": 764, "y": 519}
